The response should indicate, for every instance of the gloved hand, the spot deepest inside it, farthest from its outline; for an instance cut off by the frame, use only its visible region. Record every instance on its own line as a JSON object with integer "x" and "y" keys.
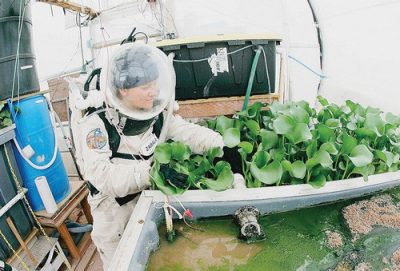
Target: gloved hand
{"x": 174, "y": 177}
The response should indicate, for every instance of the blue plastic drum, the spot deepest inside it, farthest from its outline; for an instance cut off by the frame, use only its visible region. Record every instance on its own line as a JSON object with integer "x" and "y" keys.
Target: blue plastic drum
{"x": 34, "y": 131}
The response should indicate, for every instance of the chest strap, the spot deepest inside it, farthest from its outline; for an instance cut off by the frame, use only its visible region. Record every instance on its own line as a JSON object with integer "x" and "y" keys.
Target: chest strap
{"x": 114, "y": 139}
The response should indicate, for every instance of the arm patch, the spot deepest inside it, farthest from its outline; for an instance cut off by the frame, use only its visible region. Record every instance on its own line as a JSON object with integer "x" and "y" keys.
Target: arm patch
{"x": 96, "y": 139}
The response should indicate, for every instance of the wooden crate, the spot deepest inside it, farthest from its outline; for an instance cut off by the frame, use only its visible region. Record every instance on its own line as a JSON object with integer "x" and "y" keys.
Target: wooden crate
{"x": 219, "y": 106}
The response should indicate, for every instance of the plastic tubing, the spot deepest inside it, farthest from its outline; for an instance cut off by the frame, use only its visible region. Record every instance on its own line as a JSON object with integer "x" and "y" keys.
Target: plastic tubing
{"x": 251, "y": 79}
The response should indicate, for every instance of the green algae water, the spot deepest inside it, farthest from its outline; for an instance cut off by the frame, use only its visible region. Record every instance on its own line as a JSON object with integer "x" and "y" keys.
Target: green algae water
{"x": 296, "y": 240}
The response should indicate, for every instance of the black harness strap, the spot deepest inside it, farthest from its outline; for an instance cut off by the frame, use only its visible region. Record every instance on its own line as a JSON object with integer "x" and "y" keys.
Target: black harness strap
{"x": 114, "y": 140}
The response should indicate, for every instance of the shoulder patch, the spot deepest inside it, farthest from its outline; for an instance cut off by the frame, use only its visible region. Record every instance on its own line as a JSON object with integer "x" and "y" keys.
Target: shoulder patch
{"x": 96, "y": 139}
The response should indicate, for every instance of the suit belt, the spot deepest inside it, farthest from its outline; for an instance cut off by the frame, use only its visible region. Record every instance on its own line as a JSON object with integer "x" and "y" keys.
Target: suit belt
{"x": 120, "y": 200}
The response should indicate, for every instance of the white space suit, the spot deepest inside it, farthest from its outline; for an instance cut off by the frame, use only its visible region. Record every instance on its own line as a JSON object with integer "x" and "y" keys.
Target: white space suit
{"x": 115, "y": 177}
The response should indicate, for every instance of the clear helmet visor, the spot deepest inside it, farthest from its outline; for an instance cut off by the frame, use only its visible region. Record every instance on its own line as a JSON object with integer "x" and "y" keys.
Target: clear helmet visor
{"x": 138, "y": 81}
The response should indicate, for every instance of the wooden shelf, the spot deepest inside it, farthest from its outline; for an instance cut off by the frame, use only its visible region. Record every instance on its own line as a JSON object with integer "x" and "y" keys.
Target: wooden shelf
{"x": 78, "y": 196}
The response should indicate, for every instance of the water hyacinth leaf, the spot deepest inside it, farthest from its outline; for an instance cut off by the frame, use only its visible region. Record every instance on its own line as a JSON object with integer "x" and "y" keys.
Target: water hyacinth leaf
{"x": 394, "y": 142}
{"x": 268, "y": 174}
{"x": 345, "y": 109}
{"x": 298, "y": 169}
{"x": 365, "y": 132}
{"x": 231, "y": 137}
{"x": 375, "y": 123}
{"x": 318, "y": 181}
{"x": 335, "y": 110}
{"x": 237, "y": 123}
{"x": 276, "y": 108}
{"x": 181, "y": 168}
{"x": 163, "y": 153}
{"x": 214, "y": 152}
{"x": 361, "y": 156}
{"x": 300, "y": 133}
{"x": 197, "y": 159}
{"x": 324, "y": 115}
{"x": 349, "y": 143}
{"x": 322, "y": 101}
{"x": 364, "y": 171}
{"x": 373, "y": 110}
{"x": 333, "y": 123}
{"x": 306, "y": 106}
{"x": 283, "y": 124}
{"x": 7, "y": 122}
{"x": 322, "y": 158}
{"x": 220, "y": 166}
{"x": 352, "y": 126}
{"x": 202, "y": 168}
{"x": 392, "y": 119}
{"x": 180, "y": 151}
{"x": 286, "y": 165}
{"x": 223, "y": 123}
{"x": 211, "y": 124}
{"x": 261, "y": 158}
{"x": 245, "y": 147}
{"x": 329, "y": 147}
{"x": 312, "y": 148}
{"x": 254, "y": 109}
{"x": 269, "y": 139}
{"x": 277, "y": 154}
{"x": 5, "y": 114}
{"x": 326, "y": 134}
{"x": 385, "y": 156}
{"x": 353, "y": 106}
{"x": 223, "y": 182}
{"x": 300, "y": 115}
{"x": 253, "y": 126}
{"x": 396, "y": 158}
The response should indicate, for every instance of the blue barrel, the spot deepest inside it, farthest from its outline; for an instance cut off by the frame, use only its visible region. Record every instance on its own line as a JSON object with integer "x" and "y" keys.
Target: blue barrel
{"x": 34, "y": 128}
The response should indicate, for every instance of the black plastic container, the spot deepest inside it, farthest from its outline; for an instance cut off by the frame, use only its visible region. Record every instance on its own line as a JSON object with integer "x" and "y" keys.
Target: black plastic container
{"x": 195, "y": 80}
{"x": 26, "y": 79}
{"x": 8, "y": 190}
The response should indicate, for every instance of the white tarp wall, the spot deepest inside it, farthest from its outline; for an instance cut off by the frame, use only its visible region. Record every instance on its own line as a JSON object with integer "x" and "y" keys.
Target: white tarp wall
{"x": 361, "y": 56}
{"x": 58, "y": 50}
{"x": 359, "y": 37}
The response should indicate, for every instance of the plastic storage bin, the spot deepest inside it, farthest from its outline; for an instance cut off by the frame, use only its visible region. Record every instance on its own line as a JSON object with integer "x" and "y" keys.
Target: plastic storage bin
{"x": 195, "y": 79}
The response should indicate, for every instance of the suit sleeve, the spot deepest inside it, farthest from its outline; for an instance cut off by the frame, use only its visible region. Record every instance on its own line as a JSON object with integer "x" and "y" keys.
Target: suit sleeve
{"x": 200, "y": 139}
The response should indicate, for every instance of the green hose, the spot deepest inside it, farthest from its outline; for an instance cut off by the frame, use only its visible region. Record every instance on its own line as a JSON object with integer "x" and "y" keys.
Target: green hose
{"x": 251, "y": 79}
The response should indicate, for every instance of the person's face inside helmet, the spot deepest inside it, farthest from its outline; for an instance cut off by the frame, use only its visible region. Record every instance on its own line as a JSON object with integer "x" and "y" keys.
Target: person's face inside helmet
{"x": 141, "y": 97}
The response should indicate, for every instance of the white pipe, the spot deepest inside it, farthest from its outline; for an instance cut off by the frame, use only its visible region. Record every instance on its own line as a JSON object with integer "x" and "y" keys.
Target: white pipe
{"x": 12, "y": 202}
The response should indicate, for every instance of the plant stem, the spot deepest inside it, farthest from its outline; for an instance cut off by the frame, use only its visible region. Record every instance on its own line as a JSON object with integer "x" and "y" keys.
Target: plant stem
{"x": 345, "y": 171}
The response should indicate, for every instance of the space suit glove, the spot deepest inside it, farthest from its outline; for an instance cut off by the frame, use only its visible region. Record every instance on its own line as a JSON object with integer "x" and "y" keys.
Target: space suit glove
{"x": 175, "y": 178}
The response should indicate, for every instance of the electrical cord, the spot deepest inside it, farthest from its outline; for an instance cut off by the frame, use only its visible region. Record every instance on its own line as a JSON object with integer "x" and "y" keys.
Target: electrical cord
{"x": 206, "y": 59}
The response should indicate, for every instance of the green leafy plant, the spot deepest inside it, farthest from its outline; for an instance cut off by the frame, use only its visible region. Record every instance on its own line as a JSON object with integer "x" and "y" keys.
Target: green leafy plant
{"x": 5, "y": 117}
{"x": 176, "y": 169}
{"x": 293, "y": 143}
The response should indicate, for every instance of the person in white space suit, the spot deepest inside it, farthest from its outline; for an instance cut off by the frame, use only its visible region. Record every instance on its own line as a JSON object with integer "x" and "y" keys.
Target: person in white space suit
{"x": 121, "y": 137}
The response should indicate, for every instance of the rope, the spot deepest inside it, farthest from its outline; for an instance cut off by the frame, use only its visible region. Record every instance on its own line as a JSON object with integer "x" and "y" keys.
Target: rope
{"x": 13, "y": 251}
{"x": 19, "y": 187}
